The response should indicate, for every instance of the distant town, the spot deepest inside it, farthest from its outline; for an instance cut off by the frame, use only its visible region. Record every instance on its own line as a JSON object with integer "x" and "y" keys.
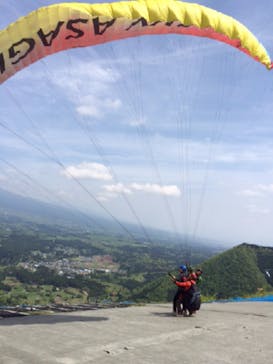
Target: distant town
{"x": 80, "y": 265}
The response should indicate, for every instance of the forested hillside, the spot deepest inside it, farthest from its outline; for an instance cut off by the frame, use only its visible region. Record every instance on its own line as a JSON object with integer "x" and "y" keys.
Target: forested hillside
{"x": 245, "y": 269}
{"x": 240, "y": 271}
{"x": 41, "y": 264}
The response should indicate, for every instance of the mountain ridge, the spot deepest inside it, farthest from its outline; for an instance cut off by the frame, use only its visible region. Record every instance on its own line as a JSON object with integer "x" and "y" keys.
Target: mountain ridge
{"x": 14, "y": 206}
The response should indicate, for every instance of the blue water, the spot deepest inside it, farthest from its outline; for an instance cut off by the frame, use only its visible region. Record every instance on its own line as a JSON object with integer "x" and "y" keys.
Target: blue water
{"x": 268, "y": 298}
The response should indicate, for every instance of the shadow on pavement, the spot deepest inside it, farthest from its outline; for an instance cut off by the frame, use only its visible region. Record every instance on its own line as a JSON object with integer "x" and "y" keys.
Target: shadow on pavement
{"x": 48, "y": 319}
{"x": 163, "y": 314}
{"x": 170, "y": 314}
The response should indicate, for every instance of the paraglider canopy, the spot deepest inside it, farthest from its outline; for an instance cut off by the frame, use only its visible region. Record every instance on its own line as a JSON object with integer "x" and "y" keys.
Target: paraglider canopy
{"x": 61, "y": 26}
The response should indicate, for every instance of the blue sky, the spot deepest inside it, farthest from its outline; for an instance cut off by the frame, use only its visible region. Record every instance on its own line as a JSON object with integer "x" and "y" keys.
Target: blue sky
{"x": 173, "y": 132}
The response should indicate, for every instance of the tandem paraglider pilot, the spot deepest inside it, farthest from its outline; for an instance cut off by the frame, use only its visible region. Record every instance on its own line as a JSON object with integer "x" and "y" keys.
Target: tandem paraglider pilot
{"x": 187, "y": 299}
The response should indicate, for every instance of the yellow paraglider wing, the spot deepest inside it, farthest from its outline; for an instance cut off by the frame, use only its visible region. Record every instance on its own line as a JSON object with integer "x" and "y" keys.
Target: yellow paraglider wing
{"x": 61, "y": 26}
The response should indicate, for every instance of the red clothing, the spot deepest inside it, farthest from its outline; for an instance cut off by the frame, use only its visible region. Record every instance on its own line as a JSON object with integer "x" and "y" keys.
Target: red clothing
{"x": 186, "y": 285}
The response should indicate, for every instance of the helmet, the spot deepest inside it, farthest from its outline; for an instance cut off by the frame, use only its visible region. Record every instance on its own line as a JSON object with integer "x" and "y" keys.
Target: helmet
{"x": 183, "y": 268}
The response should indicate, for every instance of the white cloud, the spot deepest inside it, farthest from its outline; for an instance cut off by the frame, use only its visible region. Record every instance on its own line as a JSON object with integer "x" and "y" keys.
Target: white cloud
{"x": 87, "y": 170}
{"x": 168, "y": 190}
{"x": 237, "y": 155}
{"x": 112, "y": 104}
{"x": 116, "y": 189}
{"x": 113, "y": 191}
{"x": 265, "y": 188}
{"x": 88, "y": 110}
{"x": 104, "y": 197}
{"x": 254, "y": 209}
{"x": 91, "y": 105}
{"x": 137, "y": 122}
{"x": 89, "y": 86}
{"x": 3, "y": 178}
{"x": 251, "y": 193}
{"x": 259, "y": 190}
{"x": 80, "y": 77}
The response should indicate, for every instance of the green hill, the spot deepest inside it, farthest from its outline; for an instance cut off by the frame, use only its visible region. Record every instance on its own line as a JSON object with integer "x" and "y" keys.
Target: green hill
{"x": 243, "y": 270}
{"x": 46, "y": 263}
{"x": 42, "y": 263}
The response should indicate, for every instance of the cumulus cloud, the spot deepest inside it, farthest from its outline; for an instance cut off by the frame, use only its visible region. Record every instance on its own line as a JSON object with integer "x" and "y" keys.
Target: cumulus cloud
{"x": 104, "y": 197}
{"x": 254, "y": 209}
{"x": 265, "y": 188}
{"x": 91, "y": 105}
{"x": 137, "y": 122}
{"x": 251, "y": 193}
{"x": 114, "y": 190}
{"x": 84, "y": 75}
{"x": 88, "y": 87}
{"x": 88, "y": 110}
{"x": 259, "y": 190}
{"x": 87, "y": 170}
{"x": 117, "y": 188}
{"x": 168, "y": 190}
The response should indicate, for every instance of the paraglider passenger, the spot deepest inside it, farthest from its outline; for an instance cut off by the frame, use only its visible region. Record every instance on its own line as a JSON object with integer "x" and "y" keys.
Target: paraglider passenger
{"x": 181, "y": 278}
{"x": 187, "y": 289}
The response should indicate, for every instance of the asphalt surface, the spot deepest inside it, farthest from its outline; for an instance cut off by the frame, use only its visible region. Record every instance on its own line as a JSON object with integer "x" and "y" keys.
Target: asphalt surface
{"x": 220, "y": 333}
